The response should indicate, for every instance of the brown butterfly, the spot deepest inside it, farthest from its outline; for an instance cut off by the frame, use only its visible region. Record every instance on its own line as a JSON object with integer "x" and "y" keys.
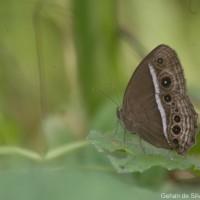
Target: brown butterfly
{"x": 155, "y": 104}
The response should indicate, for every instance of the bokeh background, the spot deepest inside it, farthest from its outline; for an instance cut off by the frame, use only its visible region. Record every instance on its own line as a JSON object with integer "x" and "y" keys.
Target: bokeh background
{"x": 57, "y": 57}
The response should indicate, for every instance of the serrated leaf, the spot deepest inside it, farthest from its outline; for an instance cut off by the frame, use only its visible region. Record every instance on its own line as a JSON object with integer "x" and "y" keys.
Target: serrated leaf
{"x": 129, "y": 154}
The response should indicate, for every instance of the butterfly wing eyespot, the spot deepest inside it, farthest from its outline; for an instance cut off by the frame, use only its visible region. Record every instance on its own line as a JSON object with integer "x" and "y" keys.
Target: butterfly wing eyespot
{"x": 175, "y": 141}
{"x": 173, "y": 104}
{"x": 177, "y": 118}
{"x": 167, "y": 98}
{"x": 176, "y": 110}
{"x": 160, "y": 61}
{"x": 176, "y": 129}
{"x": 166, "y": 82}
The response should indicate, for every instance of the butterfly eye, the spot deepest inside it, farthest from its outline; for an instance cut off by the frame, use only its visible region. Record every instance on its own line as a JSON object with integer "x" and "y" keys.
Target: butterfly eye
{"x": 167, "y": 98}
{"x": 176, "y": 129}
{"x": 166, "y": 81}
{"x": 177, "y": 118}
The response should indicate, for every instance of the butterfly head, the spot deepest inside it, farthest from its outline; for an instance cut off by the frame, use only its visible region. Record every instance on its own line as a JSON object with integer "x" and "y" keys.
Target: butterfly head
{"x": 119, "y": 113}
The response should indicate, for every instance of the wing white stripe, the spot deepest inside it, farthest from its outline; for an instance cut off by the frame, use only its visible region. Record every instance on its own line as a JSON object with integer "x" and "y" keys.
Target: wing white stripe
{"x": 158, "y": 101}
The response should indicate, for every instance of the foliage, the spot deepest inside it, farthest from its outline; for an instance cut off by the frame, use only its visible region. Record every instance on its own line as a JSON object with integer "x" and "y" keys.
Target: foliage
{"x": 129, "y": 156}
{"x": 52, "y": 55}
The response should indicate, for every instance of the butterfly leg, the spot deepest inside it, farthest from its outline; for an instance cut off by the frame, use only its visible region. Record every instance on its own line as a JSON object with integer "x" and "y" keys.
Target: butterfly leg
{"x": 140, "y": 140}
{"x": 116, "y": 131}
{"x": 124, "y": 136}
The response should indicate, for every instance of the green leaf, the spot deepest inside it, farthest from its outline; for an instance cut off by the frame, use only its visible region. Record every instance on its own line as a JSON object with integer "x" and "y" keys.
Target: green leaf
{"x": 128, "y": 154}
{"x": 69, "y": 184}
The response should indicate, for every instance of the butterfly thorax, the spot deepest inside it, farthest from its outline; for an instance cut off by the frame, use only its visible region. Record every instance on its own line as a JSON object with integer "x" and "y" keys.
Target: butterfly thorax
{"x": 126, "y": 120}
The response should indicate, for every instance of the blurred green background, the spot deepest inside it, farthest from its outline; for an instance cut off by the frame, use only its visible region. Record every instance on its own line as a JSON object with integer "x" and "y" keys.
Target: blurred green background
{"x": 53, "y": 54}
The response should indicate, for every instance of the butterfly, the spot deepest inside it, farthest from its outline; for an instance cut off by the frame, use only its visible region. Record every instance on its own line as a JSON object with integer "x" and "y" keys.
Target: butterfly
{"x": 155, "y": 103}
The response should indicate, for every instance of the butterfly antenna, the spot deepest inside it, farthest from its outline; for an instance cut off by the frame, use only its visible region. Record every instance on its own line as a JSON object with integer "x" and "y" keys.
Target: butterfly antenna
{"x": 109, "y": 97}
{"x": 116, "y": 93}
